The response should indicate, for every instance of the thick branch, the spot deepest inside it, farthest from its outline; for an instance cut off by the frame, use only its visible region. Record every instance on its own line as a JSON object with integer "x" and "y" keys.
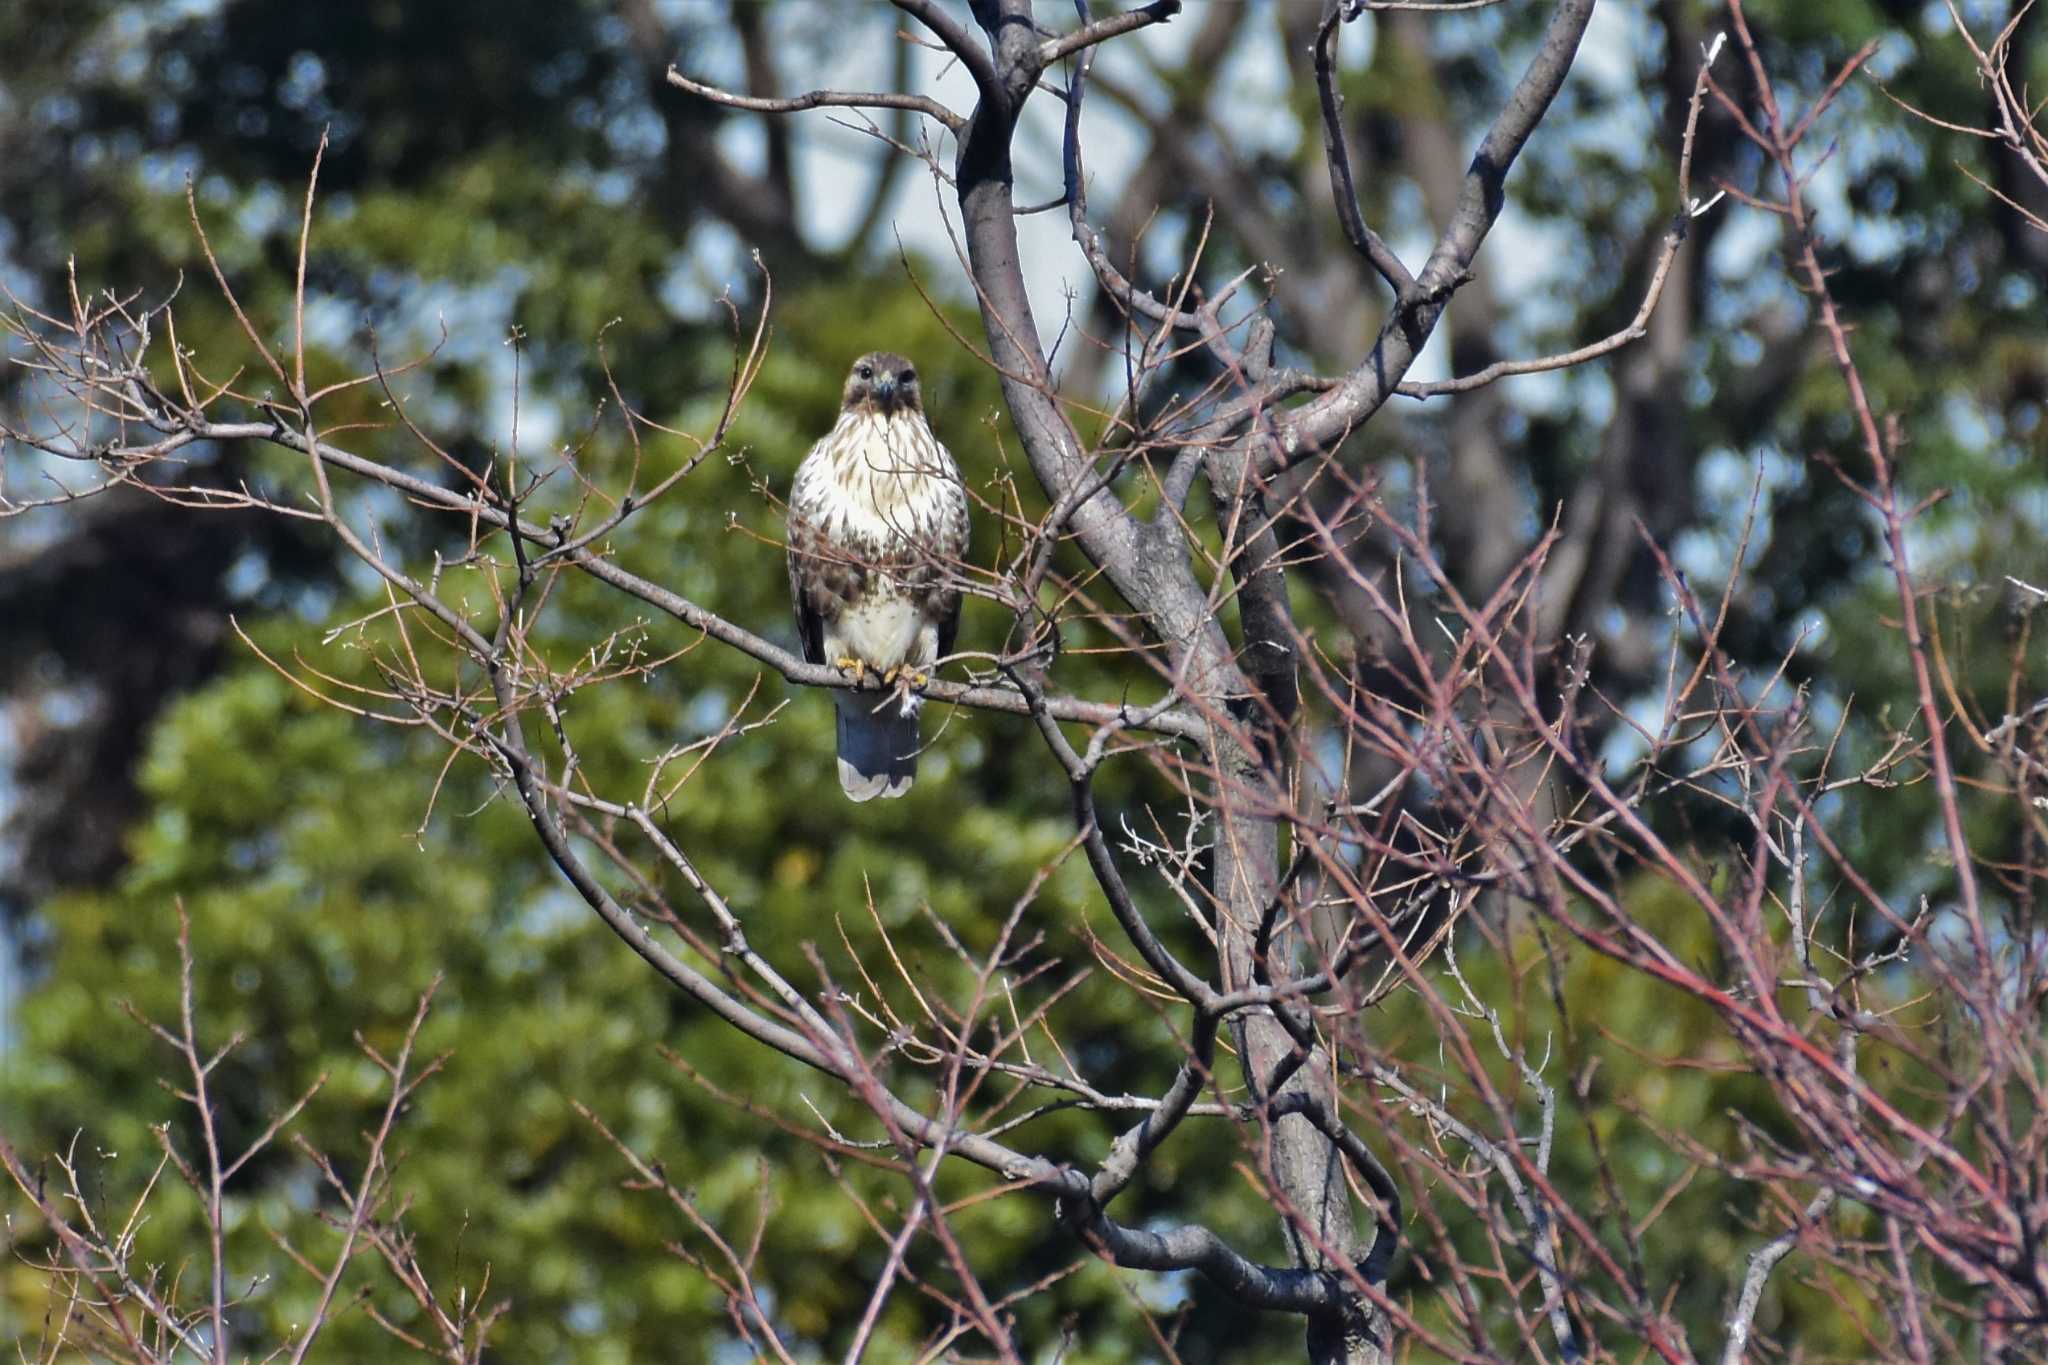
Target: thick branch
{"x": 791, "y": 666}
{"x": 1638, "y": 326}
{"x": 959, "y": 42}
{"x": 1323, "y": 423}
{"x": 1102, "y": 30}
{"x": 821, "y": 99}
{"x": 1363, "y": 239}
{"x": 1762, "y": 1261}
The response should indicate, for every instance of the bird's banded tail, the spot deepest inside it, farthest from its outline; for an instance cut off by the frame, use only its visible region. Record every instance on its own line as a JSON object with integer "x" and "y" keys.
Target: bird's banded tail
{"x": 878, "y": 742}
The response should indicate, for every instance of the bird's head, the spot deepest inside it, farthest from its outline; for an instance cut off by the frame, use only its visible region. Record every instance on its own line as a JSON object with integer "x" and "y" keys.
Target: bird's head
{"x": 882, "y": 382}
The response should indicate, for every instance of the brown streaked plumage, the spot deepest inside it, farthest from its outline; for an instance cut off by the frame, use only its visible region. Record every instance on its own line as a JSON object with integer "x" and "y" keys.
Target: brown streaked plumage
{"x": 877, "y": 528}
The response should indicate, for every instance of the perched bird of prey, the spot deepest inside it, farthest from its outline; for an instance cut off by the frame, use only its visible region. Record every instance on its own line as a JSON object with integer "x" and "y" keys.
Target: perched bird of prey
{"x": 877, "y": 527}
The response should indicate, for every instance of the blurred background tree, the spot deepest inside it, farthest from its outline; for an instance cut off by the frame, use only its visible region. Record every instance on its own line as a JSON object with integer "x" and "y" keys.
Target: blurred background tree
{"x": 500, "y": 167}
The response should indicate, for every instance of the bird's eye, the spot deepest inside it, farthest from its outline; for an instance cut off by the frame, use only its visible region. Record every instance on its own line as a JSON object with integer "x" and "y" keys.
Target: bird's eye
{"x": 907, "y": 377}
{"x": 865, "y": 372}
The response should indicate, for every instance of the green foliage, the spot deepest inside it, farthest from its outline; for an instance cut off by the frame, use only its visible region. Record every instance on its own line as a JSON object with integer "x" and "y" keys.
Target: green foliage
{"x": 332, "y": 869}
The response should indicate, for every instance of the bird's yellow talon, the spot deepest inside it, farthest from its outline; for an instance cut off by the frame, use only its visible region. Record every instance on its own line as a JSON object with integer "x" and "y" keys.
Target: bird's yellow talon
{"x": 849, "y": 664}
{"x": 903, "y": 675}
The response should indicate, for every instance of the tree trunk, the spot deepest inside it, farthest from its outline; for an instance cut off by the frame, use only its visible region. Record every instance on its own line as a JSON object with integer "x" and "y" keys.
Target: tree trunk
{"x": 1305, "y": 1168}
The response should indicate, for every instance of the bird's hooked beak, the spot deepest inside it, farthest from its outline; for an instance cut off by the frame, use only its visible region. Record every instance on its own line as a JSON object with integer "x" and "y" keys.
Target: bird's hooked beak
{"x": 885, "y": 392}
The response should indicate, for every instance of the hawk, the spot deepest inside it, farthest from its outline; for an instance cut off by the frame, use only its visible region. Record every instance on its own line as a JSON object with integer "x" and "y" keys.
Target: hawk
{"x": 877, "y": 520}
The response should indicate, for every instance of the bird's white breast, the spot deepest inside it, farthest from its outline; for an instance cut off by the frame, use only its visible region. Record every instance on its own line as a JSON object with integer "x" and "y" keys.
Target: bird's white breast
{"x": 882, "y": 630}
{"x": 875, "y": 480}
